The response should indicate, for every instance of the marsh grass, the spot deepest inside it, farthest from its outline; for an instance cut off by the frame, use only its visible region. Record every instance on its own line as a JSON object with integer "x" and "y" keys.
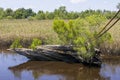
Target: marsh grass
{"x": 27, "y": 30}
{"x": 114, "y": 47}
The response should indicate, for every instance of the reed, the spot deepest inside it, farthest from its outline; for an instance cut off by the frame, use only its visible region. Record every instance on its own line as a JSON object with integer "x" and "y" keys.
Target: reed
{"x": 27, "y": 30}
{"x": 114, "y": 47}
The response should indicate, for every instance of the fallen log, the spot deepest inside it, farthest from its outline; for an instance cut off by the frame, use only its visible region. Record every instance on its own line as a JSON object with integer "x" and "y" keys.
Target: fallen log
{"x": 56, "y": 53}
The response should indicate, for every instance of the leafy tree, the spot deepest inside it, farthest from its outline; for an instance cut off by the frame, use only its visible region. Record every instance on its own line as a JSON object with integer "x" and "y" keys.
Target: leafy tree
{"x": 29, "y": 12}
{"x": 1, "y": 13}
{"x": 49, "y": 15}
{"x": 8, "y": 13}
{"x": 19, "y": 13}
{"x": 72, "y": 15}
{"x": 40, "y": 15}
{"x": 118, "y": 6}
{"x": 61, "y": 12}
{"x": 22, "y": 13}
{"x": 108, "y": 14}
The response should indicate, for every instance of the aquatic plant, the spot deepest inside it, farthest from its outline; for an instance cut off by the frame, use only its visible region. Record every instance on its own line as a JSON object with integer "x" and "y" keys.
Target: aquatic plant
{"x": 16, "y": 44}
{"x": 35, "y": 42}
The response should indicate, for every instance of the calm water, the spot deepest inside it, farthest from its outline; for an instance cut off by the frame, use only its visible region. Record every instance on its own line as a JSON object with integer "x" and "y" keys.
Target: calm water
{"x": 17, "y": 67}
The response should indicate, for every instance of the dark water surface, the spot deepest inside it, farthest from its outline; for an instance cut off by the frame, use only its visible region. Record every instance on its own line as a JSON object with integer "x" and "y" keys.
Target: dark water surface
{"x": 17, "y": 67}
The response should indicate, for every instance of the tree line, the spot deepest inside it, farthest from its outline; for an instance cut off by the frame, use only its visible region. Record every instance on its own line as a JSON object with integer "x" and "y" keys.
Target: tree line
{"x": 61, "y": 12}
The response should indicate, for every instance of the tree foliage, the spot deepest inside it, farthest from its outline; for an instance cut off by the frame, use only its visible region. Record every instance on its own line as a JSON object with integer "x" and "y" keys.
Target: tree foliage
{"x": 81, "y": 33}
{"x": 61, "y": 12}
{"x": 22, "y": 13}
{"x": 40, "y": 15}
{"x": 9, "y": 13}
{"x": 118, "y": 6}
{"x": 1, "y": 13}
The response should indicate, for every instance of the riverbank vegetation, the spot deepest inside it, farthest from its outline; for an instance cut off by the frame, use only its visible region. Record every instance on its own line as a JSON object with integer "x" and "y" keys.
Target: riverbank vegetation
{"x": 82, "y": 34}
{"x": 24, "y": 26}
{"x": 26, "y": 31}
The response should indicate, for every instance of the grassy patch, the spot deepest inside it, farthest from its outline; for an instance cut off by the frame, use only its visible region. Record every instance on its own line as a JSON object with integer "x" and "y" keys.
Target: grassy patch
{"x": 27, "y": 30}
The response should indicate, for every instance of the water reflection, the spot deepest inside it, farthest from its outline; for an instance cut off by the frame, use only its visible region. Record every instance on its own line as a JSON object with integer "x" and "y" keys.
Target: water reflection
{"x": 110, "y": 70}
{"x": 57, "y": 71}
{"x": 7, "y": 60}
{"x": 17, "y": 67}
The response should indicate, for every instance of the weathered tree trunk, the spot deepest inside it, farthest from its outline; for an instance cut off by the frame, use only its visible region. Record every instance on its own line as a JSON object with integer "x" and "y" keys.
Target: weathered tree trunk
{"x": 56, "y": 53}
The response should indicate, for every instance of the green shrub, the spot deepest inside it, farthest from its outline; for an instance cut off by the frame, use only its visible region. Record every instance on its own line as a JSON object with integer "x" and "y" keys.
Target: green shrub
{"x": 16, "y": 44}
{"x": 30, "y": 18}
{"x": 9, "y": 17}
{"x": 35, "y": 42}
{"x": 81, "y": 33}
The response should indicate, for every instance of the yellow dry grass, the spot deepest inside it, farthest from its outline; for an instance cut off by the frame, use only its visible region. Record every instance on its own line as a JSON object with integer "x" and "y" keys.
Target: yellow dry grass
{"x": 27, "y": 30}
{"x": 114, "y": 47}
